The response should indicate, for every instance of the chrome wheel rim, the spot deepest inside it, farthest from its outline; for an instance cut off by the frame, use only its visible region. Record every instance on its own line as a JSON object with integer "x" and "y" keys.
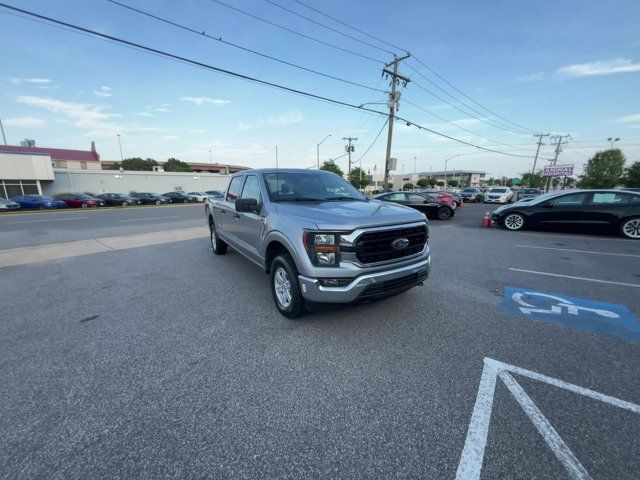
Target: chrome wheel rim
{"x": 213, "y": 239}
{"x": 282, "y": 287}
{"x": 632, "y": 228}
{"x": 444, "y": 213}
{"x": 514, "y": 222}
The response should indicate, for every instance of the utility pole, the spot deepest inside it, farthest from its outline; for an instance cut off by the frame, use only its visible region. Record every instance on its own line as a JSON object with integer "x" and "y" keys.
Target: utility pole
{"x": 535, "y": 160}
{"x": 349, "y": 148}
{"x": 394, "y": 96}
{"x": 558, "y": 141}
{"x": 2, "y": 128}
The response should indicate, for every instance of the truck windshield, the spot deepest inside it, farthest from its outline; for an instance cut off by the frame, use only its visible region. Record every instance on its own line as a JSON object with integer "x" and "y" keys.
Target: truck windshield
{"x": 309, "y": 186}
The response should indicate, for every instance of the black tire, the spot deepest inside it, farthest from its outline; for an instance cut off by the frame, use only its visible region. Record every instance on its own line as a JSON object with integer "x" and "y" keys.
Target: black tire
{"x": 124, "y": 204}
{"x": 41, "y": 207}
{"x": 514, "y": 221}
{"x": 444, "y": 213}
{"x": 158, "y": 202}
{"x": 630, "y": 228}
{"x": 218, "y": 246}
{"x": 295, "y": 308}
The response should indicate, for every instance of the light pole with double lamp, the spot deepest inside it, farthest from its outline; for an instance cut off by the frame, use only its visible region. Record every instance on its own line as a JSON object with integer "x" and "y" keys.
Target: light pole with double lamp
{"x": 445, "y": 169}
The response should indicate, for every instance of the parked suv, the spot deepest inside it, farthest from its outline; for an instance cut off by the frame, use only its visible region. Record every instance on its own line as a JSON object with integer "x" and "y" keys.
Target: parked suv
{"x": 499, "y": 195}
{"x": 319, "y": 238}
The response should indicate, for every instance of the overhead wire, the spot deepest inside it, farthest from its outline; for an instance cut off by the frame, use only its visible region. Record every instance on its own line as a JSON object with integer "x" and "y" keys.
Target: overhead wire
{"x": 282, "y": 27}
{"x": 147, "y": 49}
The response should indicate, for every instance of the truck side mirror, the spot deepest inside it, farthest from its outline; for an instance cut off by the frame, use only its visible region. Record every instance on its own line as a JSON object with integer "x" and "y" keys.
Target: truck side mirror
{"x": 247, "y": 205}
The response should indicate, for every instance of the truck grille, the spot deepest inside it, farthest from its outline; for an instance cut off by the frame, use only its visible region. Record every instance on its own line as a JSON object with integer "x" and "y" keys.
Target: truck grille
{"x": 375, "y": 247}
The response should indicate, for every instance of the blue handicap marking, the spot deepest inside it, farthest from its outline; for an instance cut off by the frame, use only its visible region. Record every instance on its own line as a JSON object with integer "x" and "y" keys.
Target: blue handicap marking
{"x": 605, "y": 318}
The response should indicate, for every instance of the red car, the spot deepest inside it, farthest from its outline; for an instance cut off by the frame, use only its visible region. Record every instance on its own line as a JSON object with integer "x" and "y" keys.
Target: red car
{"x": 80, "y": 200}
{"x": 442, "y": 197}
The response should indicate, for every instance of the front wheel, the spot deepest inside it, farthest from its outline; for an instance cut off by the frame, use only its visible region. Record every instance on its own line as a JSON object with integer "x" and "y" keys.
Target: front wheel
{"x": 444, "y": 213}
{"x": 124, "y": 204}
{"x": 158, "y": 202}
{"x": 285, "y": 287}
{"x": 514, "y": 221}
{"x": 84, "y": 205}
{"x": 630, "y": 228}
{"x": 218, "y": 246}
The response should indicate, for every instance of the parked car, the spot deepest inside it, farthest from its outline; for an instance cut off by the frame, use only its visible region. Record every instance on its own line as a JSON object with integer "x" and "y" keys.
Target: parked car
{"x": 499, "y": 195}
{"x": 147, "y": 198}
{"x": 179, "y": 197}
{"x": 38, "y": 202}
{"x": 215, "y": 193}
{"x": 471, "y": 194}
{"x": 6, "y": 205}
{"x": 441, "y": 197}
{"x": 589, "y": 210}
{"x": 118, "y": 199}
{"x": 319, "y": 238}
{"x": 80, "y": 200}
{"x": 527, "y": 193}
{"x": 423, "y": 202}
{"x": 457, "y": 197}
{"x": 200, "y": 196}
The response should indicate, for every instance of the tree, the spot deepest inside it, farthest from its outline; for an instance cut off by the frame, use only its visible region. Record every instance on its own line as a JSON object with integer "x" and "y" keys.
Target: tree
{"x": 28, "y": 142}
{"x": 407, "y": 186}
{"x": 423, "y": 182}
{"x": 175, "y": 165}
{"x": 532, "y": 179}
{"x": 432, "y": 182}
{"x": 603, "y": 170}
{"x": 135, "y": 163}
{"x": 632, "y": 176}
{"x": 330, "y": 166}
{"x": 453, "y": 183}
{"x": 358, "y": 178}
{"x": 440, "y": 183}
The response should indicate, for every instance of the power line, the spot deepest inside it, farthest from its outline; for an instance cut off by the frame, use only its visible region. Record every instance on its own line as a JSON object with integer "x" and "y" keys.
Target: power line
{"x": 225, "y": 42}
{"x": 488, "y": 121}
{"x": 350, "y": 26}
{"x": 206, "y": 66}
{"x": 244, "y": 12}
{"x": 374, "y": 141}
{"x": 327, "y": 26}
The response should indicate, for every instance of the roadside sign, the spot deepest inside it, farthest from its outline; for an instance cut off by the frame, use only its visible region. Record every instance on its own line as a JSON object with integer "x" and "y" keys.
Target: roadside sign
{"x": 516, "y": 181}
{"x": 605, "y": 318}
{"x": 558, "y": 170}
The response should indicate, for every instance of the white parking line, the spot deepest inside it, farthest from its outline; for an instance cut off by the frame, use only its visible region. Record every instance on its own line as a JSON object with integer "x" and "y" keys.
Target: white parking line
{"x": 149, "y": 218}
{"x": 576, "y": 278}
{"x": 580, "y": 251}
{"x": 47, "y": 220}
{"x": 581, "y": 237}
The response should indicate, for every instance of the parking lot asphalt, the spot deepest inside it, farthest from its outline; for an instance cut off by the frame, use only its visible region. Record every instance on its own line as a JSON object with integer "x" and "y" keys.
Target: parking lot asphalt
{"x": 168, "y": 361}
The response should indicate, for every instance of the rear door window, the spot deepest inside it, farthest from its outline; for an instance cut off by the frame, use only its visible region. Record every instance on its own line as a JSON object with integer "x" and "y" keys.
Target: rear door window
{"x": 568, "y": 200}
{"x": 609, "y": 198}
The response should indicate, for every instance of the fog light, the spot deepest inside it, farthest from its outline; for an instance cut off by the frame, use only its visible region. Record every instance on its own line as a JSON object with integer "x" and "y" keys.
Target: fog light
{"x": 334, "y": 282}
{"x": 325, "y": 258}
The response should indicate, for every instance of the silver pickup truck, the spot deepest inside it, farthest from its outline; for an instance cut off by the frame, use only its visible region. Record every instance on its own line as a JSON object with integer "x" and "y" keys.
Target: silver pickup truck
{"x": 319, "y": 238}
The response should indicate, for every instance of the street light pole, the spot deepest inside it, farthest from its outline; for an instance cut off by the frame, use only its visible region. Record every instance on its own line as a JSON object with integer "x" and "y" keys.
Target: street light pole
{"x": 318, "y": 150}
{"x": 445, "y": 169}
{"x": 612, "y": 141}
{"x": 120, "y": 144}
{"x": 210, "y": 158}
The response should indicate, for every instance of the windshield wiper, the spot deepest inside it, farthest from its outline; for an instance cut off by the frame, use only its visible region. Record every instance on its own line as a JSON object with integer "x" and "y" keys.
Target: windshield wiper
{"x": 337, "y": 199}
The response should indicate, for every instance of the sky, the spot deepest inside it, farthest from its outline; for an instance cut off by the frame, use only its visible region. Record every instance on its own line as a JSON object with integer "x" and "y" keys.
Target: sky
{"x": 570, "y": 67}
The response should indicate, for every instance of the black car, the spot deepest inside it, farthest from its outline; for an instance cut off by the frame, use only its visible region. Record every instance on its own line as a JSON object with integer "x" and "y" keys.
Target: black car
{"x": 587, "y": 210}
{"x": 422, "y": 202}
{"x": 215, "y": 193}
{"x": 527, "y": 193}
{"x": 146, "y": 198}
{"x": 471, "y": 194}
{"x": 179, "y": 197}
{"x": 118, "y": 199}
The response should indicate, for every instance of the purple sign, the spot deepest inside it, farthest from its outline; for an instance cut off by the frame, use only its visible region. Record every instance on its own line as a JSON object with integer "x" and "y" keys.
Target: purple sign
{"x": 558, "y": 171}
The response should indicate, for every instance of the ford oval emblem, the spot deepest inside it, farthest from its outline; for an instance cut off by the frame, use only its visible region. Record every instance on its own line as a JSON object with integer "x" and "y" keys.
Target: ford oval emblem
{"x": 400, "y": 243}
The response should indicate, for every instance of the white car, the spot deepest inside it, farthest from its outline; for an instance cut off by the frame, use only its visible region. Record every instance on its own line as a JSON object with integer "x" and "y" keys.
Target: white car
{"x": 201, "y": 196}
{"x": 499, "y": 195}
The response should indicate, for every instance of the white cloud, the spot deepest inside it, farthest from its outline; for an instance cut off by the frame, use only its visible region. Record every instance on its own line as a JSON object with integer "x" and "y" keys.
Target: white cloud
{"x": 106, "y": 89}
{"x": 534, "y": 77}
{"x": 24, "y": 122}
{"x": 600, "y": 67}
{"x": 628, "y": 119}
{"x": 161, "y": 109}
{"x": 196, "y": 130}
{"x": 170, "y": 137}
{"x": 289, "y": 118}
{"x": 205, "y": 100}
{"x": 144, "y": 114}
{"x": 18, "y": 81}
{"x": 103, "y": 92}
{"x": 242, "y": 126}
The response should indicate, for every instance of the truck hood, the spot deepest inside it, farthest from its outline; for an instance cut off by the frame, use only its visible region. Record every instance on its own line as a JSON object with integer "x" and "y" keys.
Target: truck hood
{"x": 350, "y": 215}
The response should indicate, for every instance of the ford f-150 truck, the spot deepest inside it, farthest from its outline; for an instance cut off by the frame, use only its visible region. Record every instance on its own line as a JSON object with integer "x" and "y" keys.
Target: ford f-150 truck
{"x": 319, "y": 238}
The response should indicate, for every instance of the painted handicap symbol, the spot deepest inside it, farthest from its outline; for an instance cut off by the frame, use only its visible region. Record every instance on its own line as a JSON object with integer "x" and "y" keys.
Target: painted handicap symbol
{"x": 604, "y": 318}
{"x": 556, "y": 309}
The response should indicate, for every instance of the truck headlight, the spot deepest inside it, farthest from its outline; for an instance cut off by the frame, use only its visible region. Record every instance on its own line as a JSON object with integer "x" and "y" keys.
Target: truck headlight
{"x": 323, "y": 248}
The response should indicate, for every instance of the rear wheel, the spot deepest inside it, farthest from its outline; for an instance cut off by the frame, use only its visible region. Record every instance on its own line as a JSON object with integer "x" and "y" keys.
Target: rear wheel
{"x": 84, "y": 205}
{"x": 124, "y": 204}
{"x": 444, "y": 213}
{"x": 40, "y": 207}
{"x": 218, "y": 246}
{"x": 630, "y": 228}
{"x": 285, "y": 287}
{"x": 514, "y": 221}
{"x": 158, "y": 202}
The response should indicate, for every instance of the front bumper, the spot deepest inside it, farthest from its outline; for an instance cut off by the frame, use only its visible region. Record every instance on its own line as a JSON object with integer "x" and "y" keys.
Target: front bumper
{"x": 494, "y": 200}
{"x": 368, "y": 286}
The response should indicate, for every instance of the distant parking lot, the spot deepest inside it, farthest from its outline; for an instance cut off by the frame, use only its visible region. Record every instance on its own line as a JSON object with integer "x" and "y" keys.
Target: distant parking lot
{"x": 518, "y": 358}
